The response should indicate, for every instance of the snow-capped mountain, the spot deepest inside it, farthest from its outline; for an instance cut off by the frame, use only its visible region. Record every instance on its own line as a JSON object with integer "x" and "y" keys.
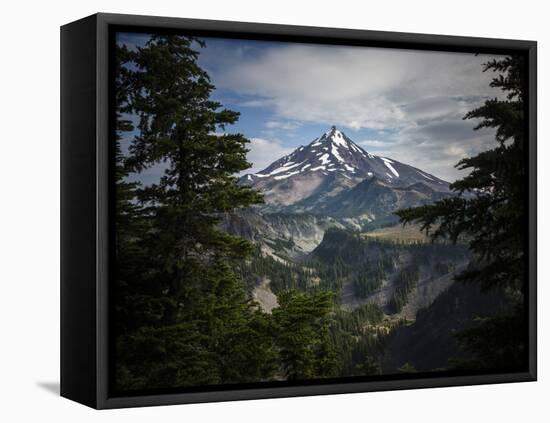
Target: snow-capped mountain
{"x": 329, "y": 165}
{"x": 329, "y": 183}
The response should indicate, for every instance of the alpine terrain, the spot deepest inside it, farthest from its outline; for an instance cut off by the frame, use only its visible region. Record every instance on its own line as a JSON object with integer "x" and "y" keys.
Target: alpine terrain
{"x": 328, "y": 223}
{"x": 331, "y": 182}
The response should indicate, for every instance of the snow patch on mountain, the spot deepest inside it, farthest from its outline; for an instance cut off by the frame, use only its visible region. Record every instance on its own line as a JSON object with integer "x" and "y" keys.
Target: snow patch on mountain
{"x": 388, "y": 163}
{"x": 324, "y": 159}
{"x": 287, "y": 166}
{"x": 336, "y": 154}
{"x": 288, "y": 175}
{"x": 425, "y": 176}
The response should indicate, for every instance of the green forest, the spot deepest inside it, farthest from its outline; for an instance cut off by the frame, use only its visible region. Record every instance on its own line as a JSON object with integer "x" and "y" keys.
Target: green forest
{"x": 182, "y": 316}
{"x": 183, "y": 313}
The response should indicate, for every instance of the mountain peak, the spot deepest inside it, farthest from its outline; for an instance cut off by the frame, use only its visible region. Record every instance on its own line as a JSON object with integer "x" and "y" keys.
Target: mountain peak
{"x": 332, "y": 132}
{"x": 335, "y": 154}
{"x": 337, "y": 137}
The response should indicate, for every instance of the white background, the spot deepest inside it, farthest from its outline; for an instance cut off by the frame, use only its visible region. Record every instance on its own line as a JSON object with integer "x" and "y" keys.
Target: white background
{"x": 29, "y": 188}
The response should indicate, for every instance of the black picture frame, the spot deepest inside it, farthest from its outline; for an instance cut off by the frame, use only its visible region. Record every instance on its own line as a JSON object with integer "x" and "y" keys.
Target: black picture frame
{"x": 86, "y": 228}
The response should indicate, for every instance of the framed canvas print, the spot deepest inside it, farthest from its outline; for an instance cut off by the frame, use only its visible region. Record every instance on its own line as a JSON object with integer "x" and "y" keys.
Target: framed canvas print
{"x": 255, "y": 211}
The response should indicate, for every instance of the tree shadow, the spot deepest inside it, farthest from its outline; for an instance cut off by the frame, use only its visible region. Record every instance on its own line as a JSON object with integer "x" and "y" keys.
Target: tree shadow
{"x": 51, "y": 387}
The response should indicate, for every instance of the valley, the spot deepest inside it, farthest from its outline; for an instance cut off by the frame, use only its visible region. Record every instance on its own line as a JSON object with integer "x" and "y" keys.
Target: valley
{"x": 328, "y": 223}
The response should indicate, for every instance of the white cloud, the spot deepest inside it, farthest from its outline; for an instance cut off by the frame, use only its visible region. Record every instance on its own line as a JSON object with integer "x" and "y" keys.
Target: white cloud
{"x": 263, "y": 152}
{"x": 256, "y": 103}
{"x": 437, "y": 146}
{"x": 373, "y": 144}
{"x": 359, "y": 87}
{"x": 287, "y": 125}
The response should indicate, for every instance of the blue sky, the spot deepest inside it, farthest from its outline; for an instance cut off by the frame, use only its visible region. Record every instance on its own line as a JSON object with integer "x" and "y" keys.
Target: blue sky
{"x": 403, "y": 104}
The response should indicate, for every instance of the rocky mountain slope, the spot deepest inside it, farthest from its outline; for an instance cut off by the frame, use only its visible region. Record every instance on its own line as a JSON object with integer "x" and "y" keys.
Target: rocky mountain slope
{"x": 332, "y": 164}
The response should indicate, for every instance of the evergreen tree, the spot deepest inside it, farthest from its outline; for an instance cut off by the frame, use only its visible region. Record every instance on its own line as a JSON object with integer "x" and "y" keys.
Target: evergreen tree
{"x": 302, "y": 335}
{"x": 182, "y": 313}
{"x": 129, "y": 254}
{"x": 491, "y": 217}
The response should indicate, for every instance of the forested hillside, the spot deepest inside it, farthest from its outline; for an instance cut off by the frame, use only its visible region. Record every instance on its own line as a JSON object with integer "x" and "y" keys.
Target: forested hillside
{"x": 181, "y": 315}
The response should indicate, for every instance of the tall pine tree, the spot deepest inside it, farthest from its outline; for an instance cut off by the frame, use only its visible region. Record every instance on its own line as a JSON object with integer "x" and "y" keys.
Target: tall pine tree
{"x": 301, "y": 325}
{"x": 182, "y": 314}
{"x": 491, "y": 216}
